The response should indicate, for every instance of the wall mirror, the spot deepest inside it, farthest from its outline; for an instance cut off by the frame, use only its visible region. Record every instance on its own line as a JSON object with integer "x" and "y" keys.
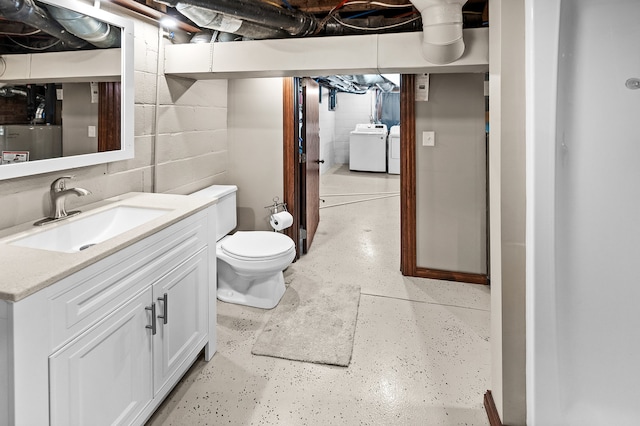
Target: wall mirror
{"x": 66, "y": 87}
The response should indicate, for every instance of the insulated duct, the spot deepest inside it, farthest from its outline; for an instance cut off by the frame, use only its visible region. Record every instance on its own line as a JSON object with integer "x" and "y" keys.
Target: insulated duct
{"x": 27, "y": 12}
{"x": 292, "y": 22}
{"x": 442, "y": 29}
{"x": 207, "y": 18}
{"x": 96, "y": 32}
{"x": 357, "y": 84}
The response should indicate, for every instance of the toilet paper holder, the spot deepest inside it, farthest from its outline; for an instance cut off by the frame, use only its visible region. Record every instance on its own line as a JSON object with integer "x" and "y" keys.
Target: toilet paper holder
{"x": 277, "y": 206}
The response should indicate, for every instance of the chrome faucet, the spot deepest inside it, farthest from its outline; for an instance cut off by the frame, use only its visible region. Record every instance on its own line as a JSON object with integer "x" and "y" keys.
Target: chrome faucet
{"x": 59, "y": 193}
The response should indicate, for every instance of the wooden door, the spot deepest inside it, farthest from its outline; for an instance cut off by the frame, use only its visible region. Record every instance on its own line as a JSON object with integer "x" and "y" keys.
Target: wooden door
{"x": 109, "y": 116}
{"x": 311, "y": 167}
{"x": 301, "y": 147}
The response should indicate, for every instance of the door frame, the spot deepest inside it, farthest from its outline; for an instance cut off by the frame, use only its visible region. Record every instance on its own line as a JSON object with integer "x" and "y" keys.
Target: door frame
{"x": 291, "y": 158}
{"x": 408, "y": 256}
{"x": 408, "y": 253}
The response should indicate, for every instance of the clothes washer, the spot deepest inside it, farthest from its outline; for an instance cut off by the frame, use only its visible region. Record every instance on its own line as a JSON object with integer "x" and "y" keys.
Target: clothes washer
{"x": 368, "y": 148}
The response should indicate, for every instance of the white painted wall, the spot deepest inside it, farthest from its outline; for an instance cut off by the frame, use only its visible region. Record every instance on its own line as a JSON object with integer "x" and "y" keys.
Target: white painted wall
{"x": 450, "y": 176}
{"x": 255, "y": 148}
{"x": 327, "y": 132}
{"x": 78, "y": 113}
{"x": 4, "y": 360}
{"x": 582, "y": 288}
{"x": 350, "y": 110}
{"x": 191, "y": 151}
{"x": 507, "y": 207}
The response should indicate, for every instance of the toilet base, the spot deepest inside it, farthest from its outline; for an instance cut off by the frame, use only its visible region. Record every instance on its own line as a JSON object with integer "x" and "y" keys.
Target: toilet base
{"x": 263, "y": 292}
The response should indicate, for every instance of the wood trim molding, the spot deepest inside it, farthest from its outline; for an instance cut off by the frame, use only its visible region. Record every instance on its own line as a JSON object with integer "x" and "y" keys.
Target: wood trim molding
{"x": 492, "y": 411}
{"x": 291, "y": 169}
{"x": 439, "y": 274}
{"x": 407, "y": 175}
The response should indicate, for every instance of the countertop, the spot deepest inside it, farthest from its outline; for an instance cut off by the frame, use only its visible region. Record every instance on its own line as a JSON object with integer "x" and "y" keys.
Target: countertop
{"x": 24, "y": 271}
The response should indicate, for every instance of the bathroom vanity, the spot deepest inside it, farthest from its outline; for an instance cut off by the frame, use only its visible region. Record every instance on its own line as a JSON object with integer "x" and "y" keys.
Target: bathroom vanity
{"x": 101, "y": 334}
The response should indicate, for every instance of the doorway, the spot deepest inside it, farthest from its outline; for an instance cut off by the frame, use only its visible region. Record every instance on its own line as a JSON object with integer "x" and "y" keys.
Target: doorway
{"x": 408, "y": 189}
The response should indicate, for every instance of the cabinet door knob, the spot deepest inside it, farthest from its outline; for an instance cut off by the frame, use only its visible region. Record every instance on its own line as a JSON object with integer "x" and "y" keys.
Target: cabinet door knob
{"x": 152, "y": 327}
{"x": 165, "y": 300}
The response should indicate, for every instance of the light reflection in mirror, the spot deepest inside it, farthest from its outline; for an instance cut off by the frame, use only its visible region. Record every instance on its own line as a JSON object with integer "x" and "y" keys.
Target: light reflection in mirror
{"x": 49, "y": 120}
{"x": 30, "y": 26}
{"x": 64, "y": 67}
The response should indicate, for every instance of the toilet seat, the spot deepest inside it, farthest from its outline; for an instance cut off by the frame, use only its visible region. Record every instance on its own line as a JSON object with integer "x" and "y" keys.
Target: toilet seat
{"x": 257, "y": 245}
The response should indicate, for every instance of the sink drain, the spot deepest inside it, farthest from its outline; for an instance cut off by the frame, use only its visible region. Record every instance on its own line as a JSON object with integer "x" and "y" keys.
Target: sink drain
{"x": 86, "y": 246}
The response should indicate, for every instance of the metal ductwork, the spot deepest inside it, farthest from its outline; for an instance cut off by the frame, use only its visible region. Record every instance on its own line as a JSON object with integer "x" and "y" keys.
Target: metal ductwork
{"x": 442, "y": 29}
{"x": 207, "y": 18}
{"x": 27, "y": 12}
{"x": 357, "y": 84}
{"x": 10, "y": 91}
{"x": 291, "y": 22}
{"x": 98, "y": 33}
{"x": 371, "y": 25}
{"x": 257, "y": 20}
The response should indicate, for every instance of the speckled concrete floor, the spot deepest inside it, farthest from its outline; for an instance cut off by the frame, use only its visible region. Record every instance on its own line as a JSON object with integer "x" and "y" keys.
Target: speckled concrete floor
{"x": 421, "y": 351}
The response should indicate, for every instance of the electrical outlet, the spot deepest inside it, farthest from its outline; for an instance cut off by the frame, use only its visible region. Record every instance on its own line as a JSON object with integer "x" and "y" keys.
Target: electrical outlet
{"x": 428, "y": 138}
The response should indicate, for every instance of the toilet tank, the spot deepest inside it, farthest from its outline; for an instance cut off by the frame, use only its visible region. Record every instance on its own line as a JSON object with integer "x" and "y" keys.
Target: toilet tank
{"x": 225, "y": 208}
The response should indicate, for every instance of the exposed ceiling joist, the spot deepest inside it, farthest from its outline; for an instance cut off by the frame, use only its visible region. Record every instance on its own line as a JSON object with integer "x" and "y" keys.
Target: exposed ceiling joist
{"x": 324, "y": 6}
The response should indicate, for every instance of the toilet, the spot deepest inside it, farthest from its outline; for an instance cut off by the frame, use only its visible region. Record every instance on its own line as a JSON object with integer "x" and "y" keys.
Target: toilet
{"x": 249, "y": 263}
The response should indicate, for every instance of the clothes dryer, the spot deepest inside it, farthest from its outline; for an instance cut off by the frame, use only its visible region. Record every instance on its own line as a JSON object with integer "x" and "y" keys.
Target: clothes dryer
{"x": 394, "y": 150}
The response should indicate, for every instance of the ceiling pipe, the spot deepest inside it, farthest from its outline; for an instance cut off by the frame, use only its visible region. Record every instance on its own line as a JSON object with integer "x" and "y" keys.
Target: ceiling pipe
{"x": 9, "y": 91}
{"x": 27, "y": 12}
{"x": 373, "y": 25}
{"x": 293, "y": 22}
{"x": 442, "y": 29}
{"x": 98, "y": 33}
{"x": 207, "y": 18}
{"x": 134, "y": 6}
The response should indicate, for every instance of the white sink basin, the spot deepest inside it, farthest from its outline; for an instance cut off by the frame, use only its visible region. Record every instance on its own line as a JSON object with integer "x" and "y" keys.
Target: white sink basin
{"x": 87, "y": 229}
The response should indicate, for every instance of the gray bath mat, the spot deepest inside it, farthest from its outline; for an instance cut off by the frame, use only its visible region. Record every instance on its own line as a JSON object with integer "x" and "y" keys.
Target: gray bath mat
{"x": 314, "y": 322}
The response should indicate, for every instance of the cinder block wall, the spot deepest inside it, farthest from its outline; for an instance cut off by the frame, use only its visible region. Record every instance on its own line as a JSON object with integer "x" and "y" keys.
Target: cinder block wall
{"x": 350, "y": 110}
{"x": 191, "y": 150}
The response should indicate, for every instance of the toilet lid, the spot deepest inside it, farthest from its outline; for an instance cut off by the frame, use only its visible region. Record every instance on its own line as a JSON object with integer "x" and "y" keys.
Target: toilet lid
{"x": 263, "y": 245}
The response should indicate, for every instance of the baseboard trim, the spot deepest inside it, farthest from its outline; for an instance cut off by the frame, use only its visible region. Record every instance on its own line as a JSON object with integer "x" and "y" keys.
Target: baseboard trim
{"x": 492, "y": 411}
{"x": 439, "y": 274}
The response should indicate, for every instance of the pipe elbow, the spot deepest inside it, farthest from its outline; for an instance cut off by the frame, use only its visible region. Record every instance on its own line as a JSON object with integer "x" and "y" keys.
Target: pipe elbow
{"x": 443, "y": 50}
{"x": 442, "y": 41}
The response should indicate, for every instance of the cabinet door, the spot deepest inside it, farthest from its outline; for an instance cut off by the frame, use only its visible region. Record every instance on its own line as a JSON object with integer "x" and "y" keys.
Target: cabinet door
{"x": 181, "y": 296}
{"x": 104, "y": 376}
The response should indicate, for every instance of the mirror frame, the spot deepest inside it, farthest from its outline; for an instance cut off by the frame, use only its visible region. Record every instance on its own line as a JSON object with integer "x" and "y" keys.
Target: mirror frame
{"x": 126, "y": 25}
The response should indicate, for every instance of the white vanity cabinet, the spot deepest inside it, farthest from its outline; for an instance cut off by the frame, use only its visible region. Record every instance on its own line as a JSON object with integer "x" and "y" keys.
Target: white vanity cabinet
{"x": 181, "y": 324}
{"x": 104, "y": 376}
{"x": 133, "y": 354}
{"x": 109, "y": 342}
